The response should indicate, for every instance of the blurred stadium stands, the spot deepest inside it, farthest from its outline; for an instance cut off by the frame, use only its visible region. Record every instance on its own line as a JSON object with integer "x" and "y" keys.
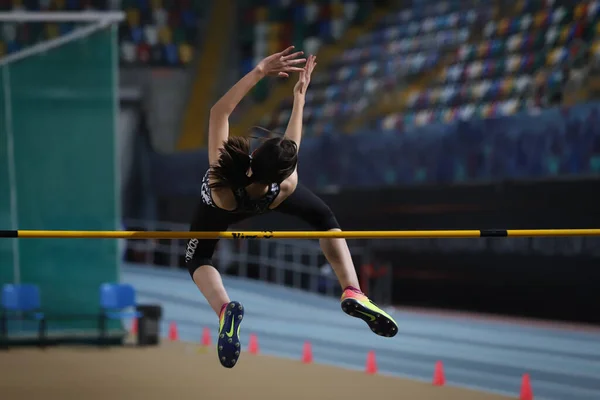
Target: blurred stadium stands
{"x": 555, "y": 143}
{"x": 495, "y": 76}
{"x": 257, "y": 29}
{"x": 479, "y": 60}
{"x": 154, "y": 33}
{"x": 159, "y": 33}
{"x": 410, "y": 86}
{"x": 269, "y": 26}
{"x": 404, "y": 44}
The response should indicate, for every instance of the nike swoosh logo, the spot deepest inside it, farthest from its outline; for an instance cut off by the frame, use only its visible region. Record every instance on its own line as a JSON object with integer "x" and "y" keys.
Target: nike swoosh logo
{"x": 230, "y": 333}
{"x": 368, "y": 315}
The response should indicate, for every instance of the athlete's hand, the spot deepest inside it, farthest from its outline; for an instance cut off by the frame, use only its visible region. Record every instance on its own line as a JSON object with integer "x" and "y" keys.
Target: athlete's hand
{"x": 304, "y": 78}
{"x": 281, "y": 64}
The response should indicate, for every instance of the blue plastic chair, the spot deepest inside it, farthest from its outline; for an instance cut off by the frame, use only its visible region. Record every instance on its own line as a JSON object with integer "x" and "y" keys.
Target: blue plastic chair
{"x": 115, "y": 299}
{"x": 21, "y": 301}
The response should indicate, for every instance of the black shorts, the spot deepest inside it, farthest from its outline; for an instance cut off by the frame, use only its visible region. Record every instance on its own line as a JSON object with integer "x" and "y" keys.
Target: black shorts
{"x": 303, "y": 203}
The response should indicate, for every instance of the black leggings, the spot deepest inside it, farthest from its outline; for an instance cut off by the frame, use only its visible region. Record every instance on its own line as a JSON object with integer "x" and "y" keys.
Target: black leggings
{"x": 303, "y": 203}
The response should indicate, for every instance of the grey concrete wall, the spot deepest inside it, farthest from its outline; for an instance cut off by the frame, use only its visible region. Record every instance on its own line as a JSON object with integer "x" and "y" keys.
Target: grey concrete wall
{"x": 164, "y": 96}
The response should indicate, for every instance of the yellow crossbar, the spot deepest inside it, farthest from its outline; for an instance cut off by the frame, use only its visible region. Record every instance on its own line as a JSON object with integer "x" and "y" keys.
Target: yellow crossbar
{"x": 55, "y": 234}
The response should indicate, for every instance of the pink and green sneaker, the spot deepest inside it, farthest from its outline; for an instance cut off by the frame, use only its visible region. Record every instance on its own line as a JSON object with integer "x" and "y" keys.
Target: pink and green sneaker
{"x": 356, "y": 304}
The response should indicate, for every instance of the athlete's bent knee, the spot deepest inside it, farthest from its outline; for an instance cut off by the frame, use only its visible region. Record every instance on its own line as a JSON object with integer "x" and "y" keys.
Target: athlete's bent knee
{"x": 193, "y": 265}
{"x": 326, "y": 220}
{"x": 198, "y": 253}
{"x": 194, "y": 257}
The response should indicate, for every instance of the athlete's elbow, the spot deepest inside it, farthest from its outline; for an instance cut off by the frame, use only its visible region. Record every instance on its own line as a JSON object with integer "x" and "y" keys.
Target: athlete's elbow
{"x": 219, "y": 111}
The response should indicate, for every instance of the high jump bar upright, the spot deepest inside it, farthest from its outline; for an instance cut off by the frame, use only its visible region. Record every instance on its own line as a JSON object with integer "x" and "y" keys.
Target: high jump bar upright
{"x": 56, "y": 234}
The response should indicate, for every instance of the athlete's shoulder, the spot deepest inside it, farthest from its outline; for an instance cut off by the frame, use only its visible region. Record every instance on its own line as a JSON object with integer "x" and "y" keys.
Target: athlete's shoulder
{"x": 288, "y": 186}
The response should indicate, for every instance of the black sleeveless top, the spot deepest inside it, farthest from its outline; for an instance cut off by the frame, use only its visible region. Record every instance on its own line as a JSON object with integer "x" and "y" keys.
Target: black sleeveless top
{"x": 244, "y": 203}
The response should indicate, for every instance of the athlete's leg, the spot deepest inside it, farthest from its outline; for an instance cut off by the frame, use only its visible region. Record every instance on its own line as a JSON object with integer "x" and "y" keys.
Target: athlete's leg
{"x": 209, "y": 281}
{"x": 307, "y": 206}
{"x": 199, "y": 263}
{"x": 304, "y": 204}
{"x": 198, "y": 258}
{"x": 338, "y": 255}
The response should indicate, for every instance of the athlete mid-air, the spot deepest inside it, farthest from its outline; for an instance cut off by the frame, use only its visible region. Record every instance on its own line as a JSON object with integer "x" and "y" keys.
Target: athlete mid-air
{"x": 239, "y": 184}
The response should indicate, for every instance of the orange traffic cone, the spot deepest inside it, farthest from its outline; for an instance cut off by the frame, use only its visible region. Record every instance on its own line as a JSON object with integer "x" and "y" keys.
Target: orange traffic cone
{"x": 134, "y": 326}
{"x": 526, "y": 391}
{"x": 439, "y": 379}
{"x": 173, "y": 335}
{"x": 205, "y": 337}
{"x": 253, "y": 344}
{"x": 371, "y": 365}
{"x": 307, "y": 356}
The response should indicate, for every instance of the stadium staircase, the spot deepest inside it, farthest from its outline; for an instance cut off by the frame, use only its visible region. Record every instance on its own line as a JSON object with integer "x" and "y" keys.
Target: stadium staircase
{"x": 207, "y": 75}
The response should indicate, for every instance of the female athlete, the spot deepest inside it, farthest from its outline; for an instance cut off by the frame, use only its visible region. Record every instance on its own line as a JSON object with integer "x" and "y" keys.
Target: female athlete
{"x": 239, "y": 185}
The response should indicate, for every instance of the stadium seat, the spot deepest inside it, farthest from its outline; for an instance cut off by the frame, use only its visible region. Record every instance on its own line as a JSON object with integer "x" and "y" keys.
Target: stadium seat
{"x": 21, "y": 301}
{"x": 115, "y": 299}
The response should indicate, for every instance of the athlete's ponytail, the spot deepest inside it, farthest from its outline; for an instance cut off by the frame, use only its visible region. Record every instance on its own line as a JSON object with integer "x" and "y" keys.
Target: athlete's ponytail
{"x": 231, "y": 170}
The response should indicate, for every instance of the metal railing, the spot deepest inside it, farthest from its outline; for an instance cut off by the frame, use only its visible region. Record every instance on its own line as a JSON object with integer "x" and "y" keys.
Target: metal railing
{"x": 300, "y": 263}
{"x": 294, "y": 263}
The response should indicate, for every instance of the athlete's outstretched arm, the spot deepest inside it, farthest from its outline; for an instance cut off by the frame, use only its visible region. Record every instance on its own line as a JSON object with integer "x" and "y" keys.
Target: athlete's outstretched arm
{"x": 278, "y": 64}
{"x": 294, "y": 127}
